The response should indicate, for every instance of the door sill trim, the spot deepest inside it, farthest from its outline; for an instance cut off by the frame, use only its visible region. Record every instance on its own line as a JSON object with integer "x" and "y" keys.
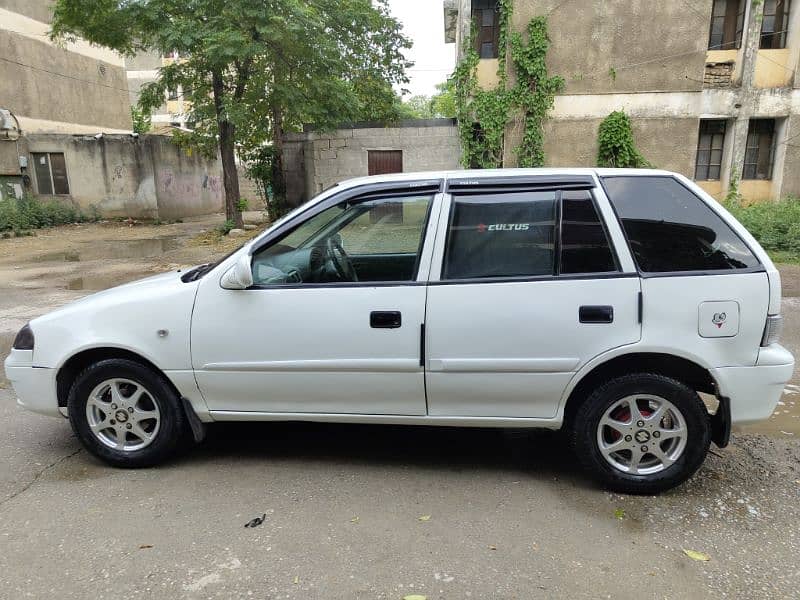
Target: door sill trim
{"x": 436, "y": 420}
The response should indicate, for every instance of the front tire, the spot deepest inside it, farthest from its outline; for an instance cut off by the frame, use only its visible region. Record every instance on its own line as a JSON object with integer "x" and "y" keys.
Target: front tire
{"x": 641, "y": 433}
{"x": 126, "y": 414}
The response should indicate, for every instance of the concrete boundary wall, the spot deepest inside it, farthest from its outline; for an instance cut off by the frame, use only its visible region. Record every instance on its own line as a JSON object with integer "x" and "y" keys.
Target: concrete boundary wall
{"x": 314, "y": 161}
{"x": 125, "y": 176}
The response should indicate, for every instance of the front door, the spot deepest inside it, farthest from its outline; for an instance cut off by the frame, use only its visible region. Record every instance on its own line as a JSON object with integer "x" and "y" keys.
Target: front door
{"x": 529, "y": 291}
{"x": 332, "y": 323}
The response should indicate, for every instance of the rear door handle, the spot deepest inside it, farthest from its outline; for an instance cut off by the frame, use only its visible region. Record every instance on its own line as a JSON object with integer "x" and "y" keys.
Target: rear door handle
{"x": 385, "y": 319}
{"x": 596, "y": 314}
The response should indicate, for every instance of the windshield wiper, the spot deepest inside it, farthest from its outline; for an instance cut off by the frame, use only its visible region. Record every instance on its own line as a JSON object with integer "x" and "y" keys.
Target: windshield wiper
{"x": 197, "y": 272}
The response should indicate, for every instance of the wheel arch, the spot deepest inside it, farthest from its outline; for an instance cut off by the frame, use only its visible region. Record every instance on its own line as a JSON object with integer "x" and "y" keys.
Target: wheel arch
{"x": 685, "y": 370}
{"x": 76, "y": 363}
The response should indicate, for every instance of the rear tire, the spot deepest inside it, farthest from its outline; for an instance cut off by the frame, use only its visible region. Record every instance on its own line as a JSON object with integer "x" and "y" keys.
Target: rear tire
{"x": 641, "y": 433}
{"x": 126, "y": 414}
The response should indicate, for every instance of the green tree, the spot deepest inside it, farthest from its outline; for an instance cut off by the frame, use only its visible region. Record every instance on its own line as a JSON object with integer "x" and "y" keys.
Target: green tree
{"x": 253, "y": 69}
{"x": 443, "y": 103}
{"x": 419, "y": 107}
{"x": 140, "y": 119}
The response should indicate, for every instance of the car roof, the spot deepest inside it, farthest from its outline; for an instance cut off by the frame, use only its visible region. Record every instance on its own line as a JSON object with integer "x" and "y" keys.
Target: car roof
{"x": 490, "y": 173}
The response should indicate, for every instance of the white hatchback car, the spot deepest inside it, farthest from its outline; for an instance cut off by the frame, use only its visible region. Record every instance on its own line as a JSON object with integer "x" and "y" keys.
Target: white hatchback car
{"x": 597, "y": 301}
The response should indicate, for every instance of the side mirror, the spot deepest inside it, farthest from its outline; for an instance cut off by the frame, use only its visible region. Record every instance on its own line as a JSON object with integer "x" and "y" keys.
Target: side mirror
{"x": 239, "y": 276}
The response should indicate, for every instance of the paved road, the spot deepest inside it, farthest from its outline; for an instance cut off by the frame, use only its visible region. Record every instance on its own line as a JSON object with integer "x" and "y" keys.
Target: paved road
{"x": 510, "y": 517}
{"x": 510, "y": 514}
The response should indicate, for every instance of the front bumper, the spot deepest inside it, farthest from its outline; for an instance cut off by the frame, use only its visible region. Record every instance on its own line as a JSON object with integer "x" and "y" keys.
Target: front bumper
{"x": 35, "y": 386}
{"x": 754, "y": 392}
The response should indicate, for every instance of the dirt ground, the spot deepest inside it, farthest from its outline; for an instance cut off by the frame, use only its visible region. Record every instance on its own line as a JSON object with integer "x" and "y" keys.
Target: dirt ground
{"x": 511, "y": 516}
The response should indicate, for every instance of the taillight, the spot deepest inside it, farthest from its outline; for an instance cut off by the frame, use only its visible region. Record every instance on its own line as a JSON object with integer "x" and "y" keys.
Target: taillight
{"x": 772, "y": 330}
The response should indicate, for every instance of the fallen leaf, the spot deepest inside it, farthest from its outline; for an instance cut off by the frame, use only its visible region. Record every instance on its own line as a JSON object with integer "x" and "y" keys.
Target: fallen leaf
{"x": 694, "y": 555}
{"x": 354, "y": 520}
{"x": 619, "y": 514}
{"x": 296, "y": 579}
{"x": 415, "y": 597}
{"x": 424, "y": 518}
{"x": 492, "y": 547}
{"x": 145, "y": 546}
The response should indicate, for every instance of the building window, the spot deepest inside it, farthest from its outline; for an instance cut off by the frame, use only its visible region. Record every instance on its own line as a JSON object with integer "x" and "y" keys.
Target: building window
{"x": 50, "y": 170}
{"x": 172, "y": 93}
{"x": 758, "y": 155}
{"x": 486, "y": 17}
{"x": 774, "y": 24}
{"x": 727, "y": 24}
{"x": 709, "y": 150}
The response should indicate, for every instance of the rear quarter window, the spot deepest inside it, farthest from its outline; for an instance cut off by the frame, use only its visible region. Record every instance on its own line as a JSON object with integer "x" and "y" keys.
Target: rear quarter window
{"x": 670, "y": 229}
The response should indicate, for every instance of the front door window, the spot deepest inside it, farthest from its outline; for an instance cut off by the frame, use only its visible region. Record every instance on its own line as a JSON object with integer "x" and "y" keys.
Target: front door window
{"x": 376, "y": 240}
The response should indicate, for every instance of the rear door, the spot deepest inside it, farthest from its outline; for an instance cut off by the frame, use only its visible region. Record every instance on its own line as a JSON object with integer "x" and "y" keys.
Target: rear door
{"x": 526, "y": 288}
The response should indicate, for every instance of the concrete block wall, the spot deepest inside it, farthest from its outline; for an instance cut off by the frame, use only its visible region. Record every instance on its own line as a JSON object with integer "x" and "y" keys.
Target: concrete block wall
{"x": 315, "y": 161}
{"x": 123, "y": 176}
{"x": 248, "y": 189}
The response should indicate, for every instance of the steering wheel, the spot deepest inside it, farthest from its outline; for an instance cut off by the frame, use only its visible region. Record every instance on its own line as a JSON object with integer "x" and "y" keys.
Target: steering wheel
{"x": 340, "y": 259}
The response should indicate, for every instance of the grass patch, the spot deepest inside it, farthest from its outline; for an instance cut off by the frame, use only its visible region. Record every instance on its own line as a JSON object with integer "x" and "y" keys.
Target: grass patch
{"x": 29, "y": 213}
{"x": 776, "y": 226}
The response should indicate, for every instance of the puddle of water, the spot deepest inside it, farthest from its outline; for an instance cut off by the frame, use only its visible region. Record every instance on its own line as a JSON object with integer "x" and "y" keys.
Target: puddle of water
{"x": 109, "y": 249}
{"x": 69, "y": 256}
{"x": 102, "y": 282}
{"x": 785, "y": 421}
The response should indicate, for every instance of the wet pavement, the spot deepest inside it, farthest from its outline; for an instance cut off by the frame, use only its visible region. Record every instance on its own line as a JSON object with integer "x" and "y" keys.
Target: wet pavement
{"x": 112, "y": 249}
{"x": 785, "y": 421}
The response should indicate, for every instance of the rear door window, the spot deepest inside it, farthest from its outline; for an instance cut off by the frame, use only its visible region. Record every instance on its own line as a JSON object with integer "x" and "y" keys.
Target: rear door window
{"x": 584, "y": 243}
{"x": 670, "y": 229}
{"x": 501, "y": 235}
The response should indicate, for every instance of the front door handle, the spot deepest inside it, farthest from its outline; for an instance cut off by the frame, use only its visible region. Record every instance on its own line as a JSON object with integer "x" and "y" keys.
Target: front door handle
{"x": 385, "y": 319}
{"x": 596, "y": 314}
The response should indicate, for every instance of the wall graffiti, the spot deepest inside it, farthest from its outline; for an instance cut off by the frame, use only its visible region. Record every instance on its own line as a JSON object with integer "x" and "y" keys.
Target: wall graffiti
{"x": 189, "y": 187}
{"x": 165, "y": 179}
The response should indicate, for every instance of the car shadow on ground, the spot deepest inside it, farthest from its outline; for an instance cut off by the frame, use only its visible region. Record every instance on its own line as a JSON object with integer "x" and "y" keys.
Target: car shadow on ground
{"x": 539, "y": 453}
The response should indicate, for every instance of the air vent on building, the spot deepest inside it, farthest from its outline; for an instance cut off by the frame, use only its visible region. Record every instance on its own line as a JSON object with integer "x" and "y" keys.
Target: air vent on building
{"x": 102, "y": 68}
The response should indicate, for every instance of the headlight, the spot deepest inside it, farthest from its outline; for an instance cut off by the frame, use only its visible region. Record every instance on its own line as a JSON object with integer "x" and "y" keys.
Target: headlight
{"x": 772, "y": 330}
{"x": 24, "y": 339}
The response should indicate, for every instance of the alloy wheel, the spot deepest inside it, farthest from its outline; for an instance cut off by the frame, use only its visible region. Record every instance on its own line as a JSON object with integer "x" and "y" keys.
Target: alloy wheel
{"x": 123, "y": 415}
{"x": 642, "y": 434}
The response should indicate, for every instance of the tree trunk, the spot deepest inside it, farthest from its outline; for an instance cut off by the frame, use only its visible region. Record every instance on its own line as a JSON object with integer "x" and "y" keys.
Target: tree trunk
{"x": 278, "y": 179}
{"x": 227, "y": 132}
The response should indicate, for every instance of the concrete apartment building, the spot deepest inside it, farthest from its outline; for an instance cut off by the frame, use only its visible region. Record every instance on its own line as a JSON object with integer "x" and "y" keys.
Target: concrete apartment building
{"x": 77, "y": 88}
{"x": 65, "y": 129}
{"x": 712, "y": 86}
{"x": 142, "y": 69}
{"x": 47, "y": 89}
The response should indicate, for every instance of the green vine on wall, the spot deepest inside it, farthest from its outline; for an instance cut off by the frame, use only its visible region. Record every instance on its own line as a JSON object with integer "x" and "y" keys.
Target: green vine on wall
{"x": 484, "y": 114}
{"x": 615, "y": 143}
{"x": 534, "y": 92}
